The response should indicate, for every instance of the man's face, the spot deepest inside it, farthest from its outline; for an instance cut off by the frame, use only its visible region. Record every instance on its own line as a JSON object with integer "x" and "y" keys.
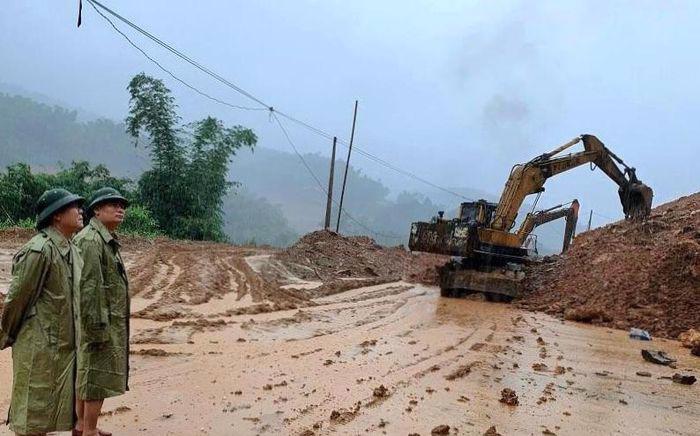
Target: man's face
{"x": 111, "y": 214}
{"x": 70, "y": 218}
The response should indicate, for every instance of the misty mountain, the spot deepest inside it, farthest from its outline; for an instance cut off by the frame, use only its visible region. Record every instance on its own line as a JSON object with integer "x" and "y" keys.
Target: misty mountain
{"x": 251, "y": 219}
{"x": 279, "y": 199}
{"x": 12, "y": 89}
{"x": 47, "y": 136}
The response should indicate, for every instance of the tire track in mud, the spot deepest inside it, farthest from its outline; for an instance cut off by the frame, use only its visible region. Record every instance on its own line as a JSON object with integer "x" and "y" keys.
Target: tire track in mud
{"x": 178, "y": 277}
{"x": 447, "y": 360}
{"x": 391, "y": 358}
{"x": 482, "y": 355}
{"x": 176, "y": 282}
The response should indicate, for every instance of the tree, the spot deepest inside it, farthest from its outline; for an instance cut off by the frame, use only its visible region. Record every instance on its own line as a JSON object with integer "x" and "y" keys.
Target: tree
{"x": 185, "y": 187}
{"x": 152, "y": 109}
{"x": 20, "y": 188}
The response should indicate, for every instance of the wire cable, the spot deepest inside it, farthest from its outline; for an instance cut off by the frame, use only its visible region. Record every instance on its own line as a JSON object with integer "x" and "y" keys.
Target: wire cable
{"x": 264, "y": 106}
{"x": 180, "y": 54}
{"x": 323, "y": 188}
{"x": 605, "y": 216}
{"x": 370, "y": 156}
{"x": 170, "y": 73}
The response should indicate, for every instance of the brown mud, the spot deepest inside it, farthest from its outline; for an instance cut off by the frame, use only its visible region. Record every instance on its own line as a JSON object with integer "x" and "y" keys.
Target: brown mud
{"x": 227, "y": 340}
{"x": 328, "y": 257}
{"x": 644, "y": 275}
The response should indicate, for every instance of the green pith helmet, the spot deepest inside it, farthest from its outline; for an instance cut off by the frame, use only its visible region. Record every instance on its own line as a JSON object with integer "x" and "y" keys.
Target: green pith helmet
{"x": 52, "y": 201}
{"x": 103, "y": 195}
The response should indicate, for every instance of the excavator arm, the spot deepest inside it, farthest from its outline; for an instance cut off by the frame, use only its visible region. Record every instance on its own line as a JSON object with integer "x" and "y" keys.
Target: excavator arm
{"x": 529, "y": 178}
{"x": 533, "y": 220}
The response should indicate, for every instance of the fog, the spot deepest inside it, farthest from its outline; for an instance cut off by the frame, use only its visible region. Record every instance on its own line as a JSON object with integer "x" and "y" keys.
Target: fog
{"x": 455, "y": 92}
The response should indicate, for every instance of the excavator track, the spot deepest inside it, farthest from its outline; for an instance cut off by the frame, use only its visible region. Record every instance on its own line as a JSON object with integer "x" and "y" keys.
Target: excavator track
{"x": 497, "y": 283}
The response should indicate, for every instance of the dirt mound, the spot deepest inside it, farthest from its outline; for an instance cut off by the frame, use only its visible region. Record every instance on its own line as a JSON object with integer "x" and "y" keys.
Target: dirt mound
{"x": 626, "y": 274}
{"x": 327, "y": 256}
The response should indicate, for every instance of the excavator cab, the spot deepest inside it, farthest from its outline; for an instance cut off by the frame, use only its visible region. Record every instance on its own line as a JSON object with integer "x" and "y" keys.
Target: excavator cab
{"x": 477, "y": 212}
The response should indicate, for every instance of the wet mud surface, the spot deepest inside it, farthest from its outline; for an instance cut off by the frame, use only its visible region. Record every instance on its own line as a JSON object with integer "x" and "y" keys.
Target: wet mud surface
{"x": 218, "y": 348}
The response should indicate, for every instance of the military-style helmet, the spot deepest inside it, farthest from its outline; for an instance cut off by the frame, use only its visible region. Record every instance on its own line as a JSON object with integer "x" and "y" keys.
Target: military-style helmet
{"x": 103, "y": 195}
{"x": 52, "y": 201}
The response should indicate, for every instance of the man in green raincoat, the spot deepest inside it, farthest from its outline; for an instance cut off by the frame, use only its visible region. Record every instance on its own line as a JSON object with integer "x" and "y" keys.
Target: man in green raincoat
{"x": 103, "y": 350}
{"x": 38, "y": 319}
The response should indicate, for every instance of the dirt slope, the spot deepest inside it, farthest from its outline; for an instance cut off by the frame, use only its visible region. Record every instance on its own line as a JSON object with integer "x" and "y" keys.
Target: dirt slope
{"x": 625, "y": 274}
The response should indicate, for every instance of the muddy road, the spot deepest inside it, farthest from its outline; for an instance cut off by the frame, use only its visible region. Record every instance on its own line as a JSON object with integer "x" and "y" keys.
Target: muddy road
{"x": 220, "y": 348}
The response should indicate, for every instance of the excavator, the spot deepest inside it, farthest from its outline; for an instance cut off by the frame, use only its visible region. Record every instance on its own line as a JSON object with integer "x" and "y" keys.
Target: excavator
{"x": 486, "y": 256}
{"x": 570, "y": 214}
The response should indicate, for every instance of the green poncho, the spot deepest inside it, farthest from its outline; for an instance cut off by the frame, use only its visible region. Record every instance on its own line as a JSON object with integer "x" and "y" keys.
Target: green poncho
{"x": 38, "y": 323}
{"x": 103, "y": 351}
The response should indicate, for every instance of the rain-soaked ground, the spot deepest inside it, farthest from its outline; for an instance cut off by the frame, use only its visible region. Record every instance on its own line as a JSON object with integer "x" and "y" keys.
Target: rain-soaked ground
{"x": 392, "y": 359}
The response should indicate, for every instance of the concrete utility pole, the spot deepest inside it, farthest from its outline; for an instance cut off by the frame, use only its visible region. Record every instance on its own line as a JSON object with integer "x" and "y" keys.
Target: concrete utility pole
{"x": 347, "y": 164}
{"x": 330, "y": 188}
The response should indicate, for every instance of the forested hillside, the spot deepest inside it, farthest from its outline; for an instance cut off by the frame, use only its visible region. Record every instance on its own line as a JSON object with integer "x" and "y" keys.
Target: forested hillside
{"x": 275, "y": 187}
{"x": 45, "y": 136}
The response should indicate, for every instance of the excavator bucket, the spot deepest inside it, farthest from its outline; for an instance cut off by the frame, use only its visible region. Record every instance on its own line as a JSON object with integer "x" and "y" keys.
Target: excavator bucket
{"x": 636, "y": 198}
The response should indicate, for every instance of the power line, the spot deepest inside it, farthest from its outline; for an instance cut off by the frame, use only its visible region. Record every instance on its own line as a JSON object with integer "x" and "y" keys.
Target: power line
{"x": 323, "y": 188}
{"x": 170, "y": 73}
{"x": 308, "y": 168}
{"x": 180, "y": 54}
{"x": 265, "y": 106}
{"x": 605, "y": 216}
{"x": 369, "y": 155}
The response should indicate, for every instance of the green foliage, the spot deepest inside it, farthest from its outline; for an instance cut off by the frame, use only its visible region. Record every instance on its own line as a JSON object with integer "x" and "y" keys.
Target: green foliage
{"x": 187, "y": 182}
{"x": 82, "y": 179}
{"x": 20, "y": 189}
{"x": 152, "y": 109}
{"x": 27, "y": 223}
{"x": 139, "y": 221}
{"x": 199, "y": 229}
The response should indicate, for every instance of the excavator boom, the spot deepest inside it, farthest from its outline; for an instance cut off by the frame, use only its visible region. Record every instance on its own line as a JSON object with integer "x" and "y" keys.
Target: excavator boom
{"x": 529, "y": 178}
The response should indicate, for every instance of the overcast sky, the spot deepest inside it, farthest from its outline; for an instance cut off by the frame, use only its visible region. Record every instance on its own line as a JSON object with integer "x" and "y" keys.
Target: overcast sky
{"x": 455, "y": 91}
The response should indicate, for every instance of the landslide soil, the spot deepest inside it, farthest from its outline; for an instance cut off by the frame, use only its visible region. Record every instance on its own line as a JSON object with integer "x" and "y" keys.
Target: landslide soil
{"x": 326, "y": 256}
{"x": 227, "y": 340}
{"x": 626, "y": 274}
